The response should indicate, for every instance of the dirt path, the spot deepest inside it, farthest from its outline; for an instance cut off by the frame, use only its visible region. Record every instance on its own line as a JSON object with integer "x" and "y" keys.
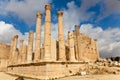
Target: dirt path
{"x": 93, "y": 77}
{"x": 4, "y": 76}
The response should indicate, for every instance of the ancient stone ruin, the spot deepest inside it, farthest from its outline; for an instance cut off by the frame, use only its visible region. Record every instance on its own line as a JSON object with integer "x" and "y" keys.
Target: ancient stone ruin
{"x": 4, "y": 50}
{"x": 53, "y": 58}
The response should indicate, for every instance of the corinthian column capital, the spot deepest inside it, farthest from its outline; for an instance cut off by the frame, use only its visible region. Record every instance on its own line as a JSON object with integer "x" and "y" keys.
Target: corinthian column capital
{"x": 48, "y": 7}
{"x": 39, "y": 15}
{"x": 60, "y": 13}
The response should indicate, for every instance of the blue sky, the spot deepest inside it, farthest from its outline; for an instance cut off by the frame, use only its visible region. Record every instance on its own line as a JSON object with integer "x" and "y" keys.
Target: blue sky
{"x": 100, "y": 19}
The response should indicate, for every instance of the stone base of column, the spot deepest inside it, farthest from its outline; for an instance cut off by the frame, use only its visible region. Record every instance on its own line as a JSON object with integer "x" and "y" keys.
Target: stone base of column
{"x": 61, "y": 59}
{"x": 29, "y": 58}
{"x": 47, "y": 59}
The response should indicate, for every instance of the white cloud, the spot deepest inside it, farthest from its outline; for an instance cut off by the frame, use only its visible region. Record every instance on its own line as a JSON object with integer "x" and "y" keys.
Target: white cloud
{"x": 74, "y": 15}
{"x": 108, "y": 40}
{"x": 109, "y": 7}
{"x": 7, "y": 31}
{"x": 25, "y": 9}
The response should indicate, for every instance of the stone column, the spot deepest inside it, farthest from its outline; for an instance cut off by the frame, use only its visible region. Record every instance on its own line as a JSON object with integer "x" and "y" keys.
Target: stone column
{"x": 97, "y": 51}
{"x": 78, "y": 43}
{"x": 21, "y": 46}
{"x": 38, "y": 37}
{"x": 24, "y": 54}
{"x": 30, "y": 46}
{"x": 14, "y": 47}
{"x": 53, "y": 50}
{"x": 15, "y": 42}
{"x": 16, "y": 56}
{"x": 62, "y": 56}
{"x": 47, "y": 33}
{"x": 71, "y": 46}
{"x": 75, "y": 41}
{"x": 20, "y": 50}
{"x": 11, "y": 50}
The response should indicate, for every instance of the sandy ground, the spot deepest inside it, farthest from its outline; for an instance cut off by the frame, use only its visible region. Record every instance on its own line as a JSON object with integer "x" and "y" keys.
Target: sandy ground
{"x": 4, "y": 76}
{"x": 93, "y": 77}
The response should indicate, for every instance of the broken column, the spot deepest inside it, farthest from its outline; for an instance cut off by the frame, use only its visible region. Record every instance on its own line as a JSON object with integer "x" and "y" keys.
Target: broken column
{"x": 38, "y": 36}
{"x": 47, "y": 33}
{"x": 78, "y": 43}
{"x": 62, "y": 56}
{"x": 24, "y": 54}
{"x": 30, "y": 46}
{"x": 71, "y": 46}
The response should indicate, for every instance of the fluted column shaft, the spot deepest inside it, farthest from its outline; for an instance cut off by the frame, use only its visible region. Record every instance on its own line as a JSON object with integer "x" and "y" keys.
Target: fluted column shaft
{"x": 62, "y": 56}
{"x": 47, "y": 33}
{"x": 30, "y": 46}
{"x": 38, "y": 36}
{"x": 71, "y": 46}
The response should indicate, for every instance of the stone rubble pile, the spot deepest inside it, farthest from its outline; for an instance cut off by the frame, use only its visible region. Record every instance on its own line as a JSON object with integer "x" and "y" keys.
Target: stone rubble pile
{"x": 101, "y": 66}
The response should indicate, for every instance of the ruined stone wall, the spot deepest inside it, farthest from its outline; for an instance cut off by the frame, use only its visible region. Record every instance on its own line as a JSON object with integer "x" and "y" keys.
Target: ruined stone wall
{"x": 4, "y": 55}
{"x": 88, "y": 47}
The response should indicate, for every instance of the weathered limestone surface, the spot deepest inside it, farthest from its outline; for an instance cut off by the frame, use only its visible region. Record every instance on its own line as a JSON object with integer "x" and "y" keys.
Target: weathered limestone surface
{"x": 20, "y": 51}
{"x": 61, "y": 40}
{"x": 71, "y": 46}
{"x": 47, "y": 70}
{"x": 16, "y": 58}
{"x": 42, "y": 52}
{"x": 88, "y": 48}
{"x": 78, "y": 53}
{"x": 53, "y": 50}
{"x": 24, "y": 54}
{"x": 14, "y": 48}
{"x": 30, "y": 47}
{"x": 4, "y": 51}
{"x": 38, "y": 37}
{"x": 11, "y": 49}
{"x": 47, "y": 33}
